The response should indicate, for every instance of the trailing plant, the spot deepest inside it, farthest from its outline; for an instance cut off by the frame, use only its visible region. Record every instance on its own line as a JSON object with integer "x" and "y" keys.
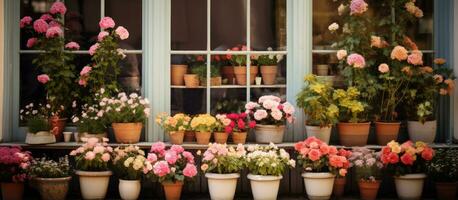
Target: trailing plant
{"x": 223, "y": 159}
{"x": 48, "y": 168}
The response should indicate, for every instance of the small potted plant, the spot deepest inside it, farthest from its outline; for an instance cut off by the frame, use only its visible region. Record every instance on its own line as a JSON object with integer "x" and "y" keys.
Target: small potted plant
{"x": 268, "y": 64}
{"x": 129, "y": 165}
{"x": 37, "y": 123}
{"x": 126, "y": 115}
{"x": 319, "y": 107}
{"x": 201, "y": 71}
{"x": 340, "y": 181}
{"x": 270, "y": 115}
{"x": 407, "y": 162}
{"x": 443, "y": 170}
{"x": 14, "y": 164}
{"x": 321, "y": 163}
{"x": 204, "y": 125}
{"x": 266, "y": 165}
{"x": 92, "y": 164}
{"x": 175, "y": 125}
{"x": 177, "y": 72}
{"x": 52, "y": 177}
{"x": 222, "y": 165}
{"x": 191, "y": 80}
{"x": 238, "y": 125}
{"x": 368, "y": 167}
{"x": 90, "y": 122}
{"x": 170, "y": 167}
{"x": 239, "y": 62}
{"x": 220, "y": 135}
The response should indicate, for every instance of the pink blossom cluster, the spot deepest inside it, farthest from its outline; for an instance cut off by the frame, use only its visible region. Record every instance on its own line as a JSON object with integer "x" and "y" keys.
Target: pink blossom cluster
{"x": 415, "y": 58}
{"x": 270, "y": 108}
{"x": 93, "y": 150}
{"x": 14, "y": 164}
{"x": 236, "y": 122}
{"x": 84, "y": 75}
{"x": 221, "y": 155}
{"x": 58, "y": 8}
{"x": 358, "y": 7}
{"x": 43, "y": 78}
{"x": 54, "y": 31}
{"x": 356, "y": 60}
{"x": 72, "y": 46}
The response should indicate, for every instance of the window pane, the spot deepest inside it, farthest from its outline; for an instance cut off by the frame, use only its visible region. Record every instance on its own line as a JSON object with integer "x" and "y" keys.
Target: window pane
{"x": 268, "y": 24}
{"x": 129, "y": 15}
{"x": 422, "y": 30}
{"x": 131, "y": 73}
{"x": 326, "y": 66}
{"x": 189, "y": 24}
{"x": 33, "y": 9}
{"x": 82, "y": 22}
{"x": 30, "y": 89}
{"x": 228, "y": 100}
{"x": 228, "y": 23}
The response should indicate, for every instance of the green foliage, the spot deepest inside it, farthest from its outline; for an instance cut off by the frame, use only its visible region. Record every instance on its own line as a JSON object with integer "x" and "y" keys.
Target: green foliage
{"x": 229, "y": 106}
{"x": 36, "y": 117}
{"x": 267, "y": 60}
{"x": 37, "y": 124}
{"x": 350, "y": 108}
{"x": 444, "y": 166}
{"x": 201, "y": 71}
{"x": 47, "y": 168}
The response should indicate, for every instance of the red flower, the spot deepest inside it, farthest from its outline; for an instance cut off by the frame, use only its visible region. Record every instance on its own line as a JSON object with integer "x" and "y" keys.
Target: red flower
{"x": 217, "y": 58}
{"x": 252, "y": 124}
{"x": 393, "y": 158}
{"x": 228, "y": 56}
{"x": 314, "y": 154}
{"x": 200, "y": 58}
{"x": 235, "y": 49}
{"x": 228, "y": 129}
{"x": 242, "y": 115}
{"x": 241, "y": 124}
{"x": 232, "y": 124}
{"x": 280, "y": 107}
{"x": 386, "y": 150}
{"x": 427, "y": 154}
{"x": 407, "y": 159}
{"x": 233, "y": 116}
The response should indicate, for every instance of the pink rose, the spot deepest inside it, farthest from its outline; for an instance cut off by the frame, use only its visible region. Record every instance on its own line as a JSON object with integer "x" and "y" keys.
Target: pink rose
{"x": 251, "y": 105}
{"x": 40, "y": 26}
{"x": 106, "y": 157}
{"x": 260, "y": 115}
{"x": 356, "y": 60}
{"x": 85, "y": 70}
{"x": 72, "y": 45}
{"x": 54, "y": 31}
{"x": 122, "y": 32}
{"x": 415, "y": 58}
{"x": 383, "y": 68}
{"x": 276, "y": 114}
{"x": 58, "y": 7}
{"x": 177, "y": 148}
{"x": 43, "y": 78}
{"x": 152, "y": 157}
{"x": 288, "y": 108}
{"x": 314, "y": 154}
{"x": 358, "y": 7}
{"x": 158, "y": 147}
{"x": 31, "y": 42}
{"x": 99, "y": 149}
{"x": 106, "y": 22}
{"x": 102, "y": 35}
{"x": 189, "y": 157}
{"x": 54, "y": 24}
{"x": 190, "y": 170}
{"x": 82, "y": 82}
{"x": 341, "y": 54}
{"x": 89, "y": 155}
{"x": 171, "y": 157}
{"x": 46, "y": 17}
{"x": 269, "y": 104}
{"x": 27, "y": 20}
{"x": 93, "y": 49}
{"x": 161, "y": 168}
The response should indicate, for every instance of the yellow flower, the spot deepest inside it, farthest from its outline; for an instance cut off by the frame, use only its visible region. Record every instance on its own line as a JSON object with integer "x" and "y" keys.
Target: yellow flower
{"x": 310, "y": 78}
{"x": 352, "y": 92}
{"x": 338, "y": 94}
{"x": 411, "y": 151}
{"x": 332, "y": 110}
{"x": 317, "y": 87}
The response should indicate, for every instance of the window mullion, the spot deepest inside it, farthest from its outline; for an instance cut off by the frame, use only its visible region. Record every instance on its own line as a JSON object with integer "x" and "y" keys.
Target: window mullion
{"x": 248, "y": 44}
{"x": 208, "y": 88}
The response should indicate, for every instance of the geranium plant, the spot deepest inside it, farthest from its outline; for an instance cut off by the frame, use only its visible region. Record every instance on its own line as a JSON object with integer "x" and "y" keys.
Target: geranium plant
{"x": 36, "y": 117}
{"x": 14, "y": 164}
{"x": 169, "y": 165}
{"x": 93, "y": 155}
{"x": 125, "y": 108}
{"x": 351, "y": 109}
{"x": 48, "y": 168}
{"x": 268, "y": 160}
{"x": 223, "y": 159}
{"x": 367, "y": 164}
{"x": 204, "y": 123}
{"x": 270, "y": 59}
{"x": 90, "y": 120}
{"x": 177, "y": 122}
{"x": 444, "y": 166}
{"x": 235, "y": 122}
{"x": 406, "y": 158}
{"x": 269, "y": 110}
{"x": 129, "y": 162}
{"x": 237, "y": 59}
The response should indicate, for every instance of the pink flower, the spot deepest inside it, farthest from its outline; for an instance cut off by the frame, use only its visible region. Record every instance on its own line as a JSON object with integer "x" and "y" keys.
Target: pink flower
{"x": 228, "y": 129}
{"x": 152, "y": 157}
{"x": 288, "y": 108}
{"x": 72, "y": 45}
{"x": 314, "y": 154}
{"x": 102, "y": 35}
{"x": 46, "y": 17}
{"x": 54, "y": 31}
{"x": 358, "y": 7}
{"x": 269, "y": 104}
{"x": 93, "y": 49}
{"x": 122, "y": 32}
{"x": 40, "y": 26}
{"x": 85, "y": 70}
{"x": 356, "y": 60}
{"x": 427, "y": 154}
{"x": 415, "y": 58}
{"x": 260, "y": 115}
{"x": 82, "y": 82}
{"x": 89, "y": 155}
{"x": 99, "y": 149}
{"x": 399, "y": 53}
{"x": 407, "y": 159}
{"x": 158, "y": 147}
{"x": 27, "y": 20}
{"x": 177, "y": 148}
{"x": 161, "y": 168}
{"x": 241, "y": 124}
{"x": 276, "y": 114}
{"x": 43, "y": 78}
{"x": 189, "y": 157}
{"x": 54, "y": 24}
{"x": 343, "y": 172}
{"x": 106, "y": 157}
{"x": 91, "y": 142}
{"x": 31, "y": 42}
{"x": 106, "y": 22}
{"x": 251, "y": 105}
{"x": 383, "y": 68}
{"x": 58, "y": 7}
{"x": 190, "y": 170}
{"x": 341, "y": 54}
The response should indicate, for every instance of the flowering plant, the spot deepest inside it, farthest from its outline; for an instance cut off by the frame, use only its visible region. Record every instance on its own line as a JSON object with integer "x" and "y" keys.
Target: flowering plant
{"x": 91, "y": 119}
{"x": 129, "y": 162}
{"x": 47, "y": 168}
{"x": 93, "y": 155}
{"x": 266, "y": 60}
{"x": 350, "y": 108}
{"x": 204, "y": 123}
{"x": 223, "y": 159}
{"x": 35, "y": 117}
{"x": 14, "y": 164}
{"x": 316, "y": 156}
{"x": 169, "y": 165}
{"x": 268, "y": 160}
{"x": 125, "y": 109}
{"x": 54, "y": 62}
{"x": 367, "y": 163}
{"x": 238, "y": 59}
{"x": 270, "y": 111}
{"x": 444, "y": 166}
{"x": 317, "y": 102}
{"x": 235, "y": 122}
{"x": 406, "y": 158}
{"x": 178, "y": 122}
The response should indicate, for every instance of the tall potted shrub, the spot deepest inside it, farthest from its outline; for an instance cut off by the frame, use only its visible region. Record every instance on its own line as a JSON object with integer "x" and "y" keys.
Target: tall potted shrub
{"x": 52, "y": 177}
{"x": 204, "y": 125}
{"x": 175, "y": 125}
{"x": 319, "y": 107}
{"x": 222, "y": 165}
{"x": 266, "y": 165}
{"x": 92, "y": 164}
{"x": 407, "y": 162}
{"x": 443, "y": 170}
{"x": 270, "y": 115}
{"x": 39, "y": 129}
{"x": 14, "y": 164}
{"x": 368, "y": 168}
{"x": 268, "y": 64}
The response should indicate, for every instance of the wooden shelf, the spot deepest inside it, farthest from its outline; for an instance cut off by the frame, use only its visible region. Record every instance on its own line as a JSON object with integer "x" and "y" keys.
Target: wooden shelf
{"x": 230, "y": 86}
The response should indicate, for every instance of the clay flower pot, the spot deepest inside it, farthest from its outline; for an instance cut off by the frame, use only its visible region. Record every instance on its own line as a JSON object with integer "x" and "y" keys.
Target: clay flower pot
{"x": 446, "y": 191}
{"x": 57, "y": 126}
{"x": 191, "y": 80}
{"x": 269, "y": 74}
{"x": 214, "y": 81}
{"x": 322, "y": 70}
{"x": 189, "y": 136}
{"x": 228, "y": 73}
{"x": 386, "y": 131}
{"x": 203, "y": 137}
{"x": 425, "y": 132}
{"x": 94, "y": 185}
{"x": 339, "y": 187}
{"x": 269, "y": 133}
{"x": 322, "y": 133}
{"x": 53, "y": 188}
{"x": 239, "y": 137}
{"x": 176, "y": 137}
{"x": 318, "y": 185}
{"x": 353, "y": 134}
{"x": 177, "y": 74}
{"x": 368, "y": 189}
{"x": 240, "y": 74}
{"x": 127, "y": 132}
{"x": 172, "y": 190}
{"x": 12, "y": 191}
{"x": 409, "y": 186}
{"x": 220, "y": 137}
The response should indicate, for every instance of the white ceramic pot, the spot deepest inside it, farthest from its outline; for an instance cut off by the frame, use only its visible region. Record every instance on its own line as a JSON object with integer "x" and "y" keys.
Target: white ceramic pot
{"x": 264, "y": 187}
{"x": 129, "y": 189}
{"x": 42, "y": 137}
{"x": 322, "y": 133}
{"x": 422, "y": 132}
{"x": 269, "y": 133}
{"x": 410, "y": 186}
{"x": 222, "y": 186}
{"x": 94, "y": 185}
{"x": 318, "y": 185}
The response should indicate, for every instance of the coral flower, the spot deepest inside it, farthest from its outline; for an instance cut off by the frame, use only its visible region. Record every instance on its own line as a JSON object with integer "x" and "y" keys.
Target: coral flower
{"x": 399, "y": 53}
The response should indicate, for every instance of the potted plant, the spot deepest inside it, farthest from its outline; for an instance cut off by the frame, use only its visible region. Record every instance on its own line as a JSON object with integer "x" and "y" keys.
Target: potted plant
{"x": 269, "y": 68}
{"x": 191, "y": 80}
{"x": 93, "y": 167}
{"x": 126, "y": 115}
{"x": 226, "y": 68}
{"x": 14, "y": 164}
{"x": 177, "y": 72}
{"x": 91, "y": 122}
{"x": 266, "y": 164}
{"x": 368, "y": 167}
{"x": 220, "y": 135}
{"x": 52, "y": 177}
{"x": 321, "y": 164}
{"x": 271, "y": 116}
{"x": 170, "y": 167}
{"x": 237, "y": 125}
{"x": 39, "y": 129}
{"x": 204, "y": 125}
{"x": 340, "y": 181}
{"x": 129, "y": 165}
{"x": 201, "y": 71}
{"x": 407, "y": 162}
{"x": 222, "y": 165}
{"x": 443, "y": 170}
{"x": 239, "y": 62}
{"x": 319, "y": 107}
{"x": 175, "y": 125}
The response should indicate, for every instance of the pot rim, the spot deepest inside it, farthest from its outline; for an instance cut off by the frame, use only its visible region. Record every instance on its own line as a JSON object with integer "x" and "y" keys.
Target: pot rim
{"x": 123, "y": 180}
{"x": 413, "y": 121}
{"x": 269, "y": 126}
{"x": 67, "y": 178}
{"x": 179, "y": 65}
{"x": 412, "y": 176}
{"x": 172, "y": 183}
{"x": 370, "y": 182}
{"x": 352, "y": 123}
{"x": 388, "y": 123}
{"x": 318, "y": 175}
{"x": 126, "y": 123}
{"x": 93, "y": 173}
{"x": 263, "y": 178}
{"x": 222, "y": 176}
{"x": 318, "y": 127}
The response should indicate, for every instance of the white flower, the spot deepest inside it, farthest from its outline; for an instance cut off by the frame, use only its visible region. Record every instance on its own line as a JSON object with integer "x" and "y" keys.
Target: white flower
{"x": 47, "y": 106}
{"x": 271, "y": 56}
{"x": 130, "y": 101}
{"x": 100, "y": 113}
{"x": 102, "y": 90}
{"x": 75, "y": 119}
{"x": 279, "y": 57}
{"x": 34, "y": 112}
{"x": 74, "y": 104}
{"x": 269, "y": 49}
{"x": 118, "y": 109}
{"x": 333, "y": 27}
{"x": 133, "y": 95}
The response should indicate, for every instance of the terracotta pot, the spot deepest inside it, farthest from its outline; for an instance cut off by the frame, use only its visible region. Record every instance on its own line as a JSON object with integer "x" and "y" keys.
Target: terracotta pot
{"x": 172, "y": 190}
{"x": 177, "y": 74}
{"x": 410, "y": 186}
{"x": 176, "y": 137}
{"x": 228, "y": 73}
{"x": 94, "y": 185}
{"x": 322, "y": 70}
{"x": 214, "y": 81}
{"x": 339, "y": 187}
{"x": 42, "y": 137}
{"x": 446, "y": 191}
{"x": 353, "y": 134}
{"x": 322, "y": 133}
{"x": 368, "y": 189}
{"x": 239, "y": 137}
{"x": 57, "y": 126}
{"x": 269, "y": 133}
{"x": 386, "y": 131}
{"x": 53, "y": 188}
{"x": 12, "y": 191}
{"x": 127, "y": 132}
{"x": 191, "y": 80}
{"x": 220, "y": 137}
{"x": 318, "y": 185}
{"x": 269, "y": 74}
{"x": 189, "y": 136}
{"x": 203, "y": 137}
{"x": 240, "y": 74}
{"x": 425, "y": 132}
